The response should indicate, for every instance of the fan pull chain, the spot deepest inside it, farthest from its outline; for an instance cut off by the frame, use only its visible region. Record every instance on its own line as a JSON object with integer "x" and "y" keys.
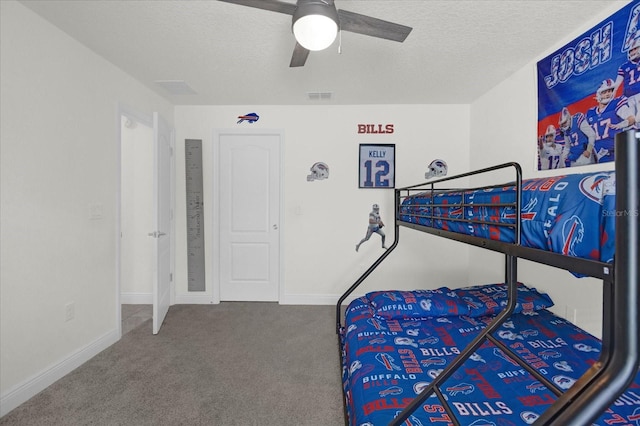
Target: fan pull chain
{"x": 340, "y": 42}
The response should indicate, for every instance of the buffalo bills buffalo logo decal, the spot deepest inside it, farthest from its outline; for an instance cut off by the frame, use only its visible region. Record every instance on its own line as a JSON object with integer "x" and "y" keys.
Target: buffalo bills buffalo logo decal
{"x": 592, "y": 186}
{"x": 252, "y": 117}
{"x": 572, "y": 234}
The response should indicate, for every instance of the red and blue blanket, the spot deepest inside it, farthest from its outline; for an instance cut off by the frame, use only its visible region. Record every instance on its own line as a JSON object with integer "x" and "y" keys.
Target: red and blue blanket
{"x": 571, "y": 214}
{"x": 396, "y": 342}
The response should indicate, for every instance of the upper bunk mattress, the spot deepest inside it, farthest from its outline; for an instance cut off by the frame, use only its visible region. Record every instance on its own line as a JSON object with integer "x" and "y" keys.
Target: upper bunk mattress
{"x": 572, "y": 214}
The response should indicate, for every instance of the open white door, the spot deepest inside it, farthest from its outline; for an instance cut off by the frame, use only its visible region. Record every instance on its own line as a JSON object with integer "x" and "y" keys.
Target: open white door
{"x": 162, "y": 221}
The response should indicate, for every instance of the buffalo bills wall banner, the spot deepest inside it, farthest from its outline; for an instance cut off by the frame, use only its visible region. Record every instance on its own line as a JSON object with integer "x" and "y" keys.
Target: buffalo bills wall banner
{"x": 377, "y": 166}
{"x": 588, "y": 91}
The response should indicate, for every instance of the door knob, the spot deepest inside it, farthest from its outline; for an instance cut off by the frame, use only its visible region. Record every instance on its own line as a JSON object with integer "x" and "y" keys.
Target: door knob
{"x": 156, "y": 234}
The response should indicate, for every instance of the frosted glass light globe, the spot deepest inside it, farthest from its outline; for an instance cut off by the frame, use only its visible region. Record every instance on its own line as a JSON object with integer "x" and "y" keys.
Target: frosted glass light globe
{"x": 315, "y": 32}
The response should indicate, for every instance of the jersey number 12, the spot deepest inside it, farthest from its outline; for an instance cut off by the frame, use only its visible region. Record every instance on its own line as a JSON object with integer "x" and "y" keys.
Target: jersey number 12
{"x": 378, "y": 171}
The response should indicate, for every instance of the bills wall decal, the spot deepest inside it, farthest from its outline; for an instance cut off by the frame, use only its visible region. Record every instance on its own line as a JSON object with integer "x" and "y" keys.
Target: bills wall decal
{"x": 373, "y": 129}
{"x": 252, "y": 117}
{"x": 375, "y": 226}
{"x": 319, "y": 171}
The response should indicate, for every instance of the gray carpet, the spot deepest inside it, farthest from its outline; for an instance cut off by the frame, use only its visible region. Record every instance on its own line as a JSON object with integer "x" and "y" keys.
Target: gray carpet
{"x": 235, "y": 363}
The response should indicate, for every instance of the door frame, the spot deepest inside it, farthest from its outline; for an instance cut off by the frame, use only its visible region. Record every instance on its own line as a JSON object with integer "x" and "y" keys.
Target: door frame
{"x": 215, "y": 211}
{"x": 147, "y": 120}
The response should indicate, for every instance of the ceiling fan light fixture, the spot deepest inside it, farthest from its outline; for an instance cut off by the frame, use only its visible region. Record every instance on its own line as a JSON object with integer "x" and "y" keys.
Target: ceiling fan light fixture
{"x": 315, "y": 24}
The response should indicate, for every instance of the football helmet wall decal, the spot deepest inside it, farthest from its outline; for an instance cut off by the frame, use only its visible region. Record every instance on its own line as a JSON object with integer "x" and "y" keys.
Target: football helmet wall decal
{"x": 436, "y": 168}
{"x": 319, "y": 171}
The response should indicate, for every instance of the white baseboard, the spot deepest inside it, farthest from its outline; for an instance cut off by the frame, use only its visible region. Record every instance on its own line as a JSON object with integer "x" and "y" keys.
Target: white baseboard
{"x": 183, "y": 299}
{"x": 194, "y": 299}
{"x": 286, "y": 299}
{"x": 314, "y": 299}
{"x": 206, "y": 299}
{"x": 30, "y": 387}
{"x": 136, "y": 298}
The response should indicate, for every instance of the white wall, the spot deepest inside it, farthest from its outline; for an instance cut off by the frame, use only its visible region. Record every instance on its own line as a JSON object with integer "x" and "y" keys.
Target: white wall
{"x": 59, "y": 165}
{"x": 503, "y": 129}
{"x": 323, "y": 220}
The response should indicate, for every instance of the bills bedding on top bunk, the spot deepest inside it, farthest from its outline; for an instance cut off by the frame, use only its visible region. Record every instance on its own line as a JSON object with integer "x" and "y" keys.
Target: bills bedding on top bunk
{"x": 572, "y": 214}
{"x": 395, "y": 342}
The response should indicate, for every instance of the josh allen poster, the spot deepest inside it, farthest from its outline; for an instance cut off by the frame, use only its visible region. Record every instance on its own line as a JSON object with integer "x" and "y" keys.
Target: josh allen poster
{"x": 588, "y": 91}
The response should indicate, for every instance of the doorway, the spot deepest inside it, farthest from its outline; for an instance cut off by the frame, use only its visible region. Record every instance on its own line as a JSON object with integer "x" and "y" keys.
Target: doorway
{"x": 136, "y": 220}
{"x": 146, "y": 196}
{"x": 249, "y": 188}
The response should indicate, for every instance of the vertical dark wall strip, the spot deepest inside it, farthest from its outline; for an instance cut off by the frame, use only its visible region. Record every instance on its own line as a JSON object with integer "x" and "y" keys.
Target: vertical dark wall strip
{"x": 195, "y": 214}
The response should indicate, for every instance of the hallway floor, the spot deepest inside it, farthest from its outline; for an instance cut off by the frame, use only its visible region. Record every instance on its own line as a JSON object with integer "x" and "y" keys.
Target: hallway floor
{"x": 134, "y": 316}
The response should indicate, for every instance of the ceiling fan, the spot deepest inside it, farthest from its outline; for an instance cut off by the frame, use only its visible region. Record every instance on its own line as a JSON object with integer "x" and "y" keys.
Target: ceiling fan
{"x": 305, "y": 11}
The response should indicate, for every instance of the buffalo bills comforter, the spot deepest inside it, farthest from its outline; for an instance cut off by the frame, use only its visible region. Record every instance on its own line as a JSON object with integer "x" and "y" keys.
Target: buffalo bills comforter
{"x": 395, "y": 342}
{"x": 572, "y": 214}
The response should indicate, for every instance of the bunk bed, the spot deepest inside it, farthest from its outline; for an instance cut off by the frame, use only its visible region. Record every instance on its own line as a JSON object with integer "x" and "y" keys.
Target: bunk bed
{"x": 494, "y": 354}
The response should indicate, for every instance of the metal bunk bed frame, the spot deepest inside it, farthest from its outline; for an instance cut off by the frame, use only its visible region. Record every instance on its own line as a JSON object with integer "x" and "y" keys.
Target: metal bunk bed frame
{"x": 619, "y": 360}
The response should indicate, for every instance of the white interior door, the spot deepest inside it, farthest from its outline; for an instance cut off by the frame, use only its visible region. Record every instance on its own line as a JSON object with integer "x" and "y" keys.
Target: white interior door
{"x": 249, "y": 166}
{"x": 162, "y": 220}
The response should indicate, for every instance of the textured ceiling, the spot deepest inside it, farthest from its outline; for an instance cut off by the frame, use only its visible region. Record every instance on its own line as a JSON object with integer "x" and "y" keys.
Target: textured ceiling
{"x": 236, "y": 55}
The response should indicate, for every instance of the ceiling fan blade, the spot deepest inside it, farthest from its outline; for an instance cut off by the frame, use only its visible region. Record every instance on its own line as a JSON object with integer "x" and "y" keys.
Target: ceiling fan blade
{"x": 299, "y": 56}
{"x": 367, "y": 25}
{"x": 272, "y": 5}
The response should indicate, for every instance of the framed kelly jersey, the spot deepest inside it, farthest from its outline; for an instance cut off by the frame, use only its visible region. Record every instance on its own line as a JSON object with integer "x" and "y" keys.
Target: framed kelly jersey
{"x": 377, "y": 166}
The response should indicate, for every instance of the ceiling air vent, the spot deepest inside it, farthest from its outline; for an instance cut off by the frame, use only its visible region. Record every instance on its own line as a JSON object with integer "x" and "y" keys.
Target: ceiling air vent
{"x": 319, "y": 96}
{"x": 176, "y": 87}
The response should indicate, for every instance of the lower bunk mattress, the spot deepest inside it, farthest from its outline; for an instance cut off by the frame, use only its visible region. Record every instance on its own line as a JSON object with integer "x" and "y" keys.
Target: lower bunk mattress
{"x": 571, "y": 214}
{"x": 395, "y": 342}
